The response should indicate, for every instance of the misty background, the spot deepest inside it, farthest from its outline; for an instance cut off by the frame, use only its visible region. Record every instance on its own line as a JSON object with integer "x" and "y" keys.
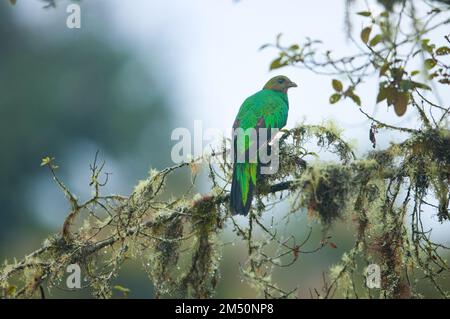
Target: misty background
{"x": 135, "y": 71}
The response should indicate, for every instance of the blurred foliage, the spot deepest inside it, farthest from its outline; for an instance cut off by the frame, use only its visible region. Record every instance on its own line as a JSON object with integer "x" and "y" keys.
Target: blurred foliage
{"x": 73, "y": 90}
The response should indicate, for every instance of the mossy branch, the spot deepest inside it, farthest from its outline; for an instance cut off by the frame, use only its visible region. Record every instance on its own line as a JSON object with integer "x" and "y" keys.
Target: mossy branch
{"x": 103, "y": 232}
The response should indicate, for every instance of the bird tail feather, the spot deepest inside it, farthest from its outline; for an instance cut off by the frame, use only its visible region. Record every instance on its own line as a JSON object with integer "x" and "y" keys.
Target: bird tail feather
{"x": 241, "y": 189}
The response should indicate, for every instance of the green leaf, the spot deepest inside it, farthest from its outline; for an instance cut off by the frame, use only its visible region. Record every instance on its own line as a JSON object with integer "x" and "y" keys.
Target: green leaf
{"x": 365, "y": 13}
{"x": 13, "y": 2}
{"x": 375, "y": 40}
{"x": 384, "y": 14}
{"x": 382, "y": 94}
{"x": 337, "y": 85}
{"x": 432, "y": 75}
{"x": 430, "y": 63}
{"x": 294, "y": 47}
{"x": 420, "y": 85}
{"x": 443, "y": 51}
{"x": 397, "y": 73}
{"x": 391, "y": 95}
{"x": 384, "y": 68}
{"x": 406, "y": 85}
{"x": 276, "y": 64}
{"x": 335, "y": 98}
{"x": 356, "y": 99}
{"x": 365, "y": 34}
{"x": 401, "y": 103}
{"x": 415, "y": 72}
{"x": 426, "y": 46}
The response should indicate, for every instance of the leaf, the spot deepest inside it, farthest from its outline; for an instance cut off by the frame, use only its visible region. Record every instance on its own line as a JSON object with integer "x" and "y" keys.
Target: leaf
{"x": 351, "y": 94}
{"x": 13, "y": 2}
{"x": 337, "y": 85}
{"x": 365, "y": 13}
{"x": 382, "y": 94}
{"x": 384, "y": 14}
{"x": 365, "y": 34}
{"x": 401, "y": 103}
{"x": 443, "y": 51}
{"x": 433, "y": 75}
{"x": 45, "y": 161}
{"x": 276, "y": 64}
{"x": 356, "y": 99}
{"x": 375, "y": 40}
{"x": 420, "y": 85}
{"x": 384, "y": 68}
{"x": 406, "y": 85}
{"x": 335, "y": 98}
{"x": 397, "y": 73}
{"x": 294, "y": 47}
{"x": 391, "y": 94}
{"x": 430, "y": 63}
{"x": 426, "y": 46}
{"x": 415, "y": 72}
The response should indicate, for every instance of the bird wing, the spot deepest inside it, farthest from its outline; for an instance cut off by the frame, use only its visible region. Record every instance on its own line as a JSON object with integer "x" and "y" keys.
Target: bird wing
{"x": 264, "y": 109}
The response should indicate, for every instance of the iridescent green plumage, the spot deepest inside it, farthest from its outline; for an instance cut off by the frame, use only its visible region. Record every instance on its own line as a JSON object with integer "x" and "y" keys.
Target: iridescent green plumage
{"x": 267, "y": 108}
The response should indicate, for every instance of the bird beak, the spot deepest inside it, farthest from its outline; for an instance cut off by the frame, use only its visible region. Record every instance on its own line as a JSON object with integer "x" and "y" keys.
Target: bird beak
{"x": 293, "y": 85}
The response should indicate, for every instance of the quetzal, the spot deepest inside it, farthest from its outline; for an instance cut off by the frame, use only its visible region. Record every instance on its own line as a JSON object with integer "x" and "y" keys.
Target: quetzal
{"x": 267, "y": 108}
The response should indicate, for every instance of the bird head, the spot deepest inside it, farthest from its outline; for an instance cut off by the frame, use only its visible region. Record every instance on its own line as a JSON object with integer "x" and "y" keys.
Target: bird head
{"x": 279, "y": 83}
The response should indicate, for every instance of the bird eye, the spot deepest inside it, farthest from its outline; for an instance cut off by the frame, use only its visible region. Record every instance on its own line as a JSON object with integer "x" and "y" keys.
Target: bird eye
{"x": 281, "y": 81}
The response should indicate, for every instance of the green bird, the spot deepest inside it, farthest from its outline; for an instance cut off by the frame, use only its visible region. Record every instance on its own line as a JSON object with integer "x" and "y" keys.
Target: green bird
{"x": 268, "y": 109}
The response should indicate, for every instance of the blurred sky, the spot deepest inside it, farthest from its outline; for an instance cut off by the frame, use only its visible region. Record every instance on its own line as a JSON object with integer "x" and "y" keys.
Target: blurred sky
{"x": 214, "y": 47}
{"x": 212, "y": 50}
